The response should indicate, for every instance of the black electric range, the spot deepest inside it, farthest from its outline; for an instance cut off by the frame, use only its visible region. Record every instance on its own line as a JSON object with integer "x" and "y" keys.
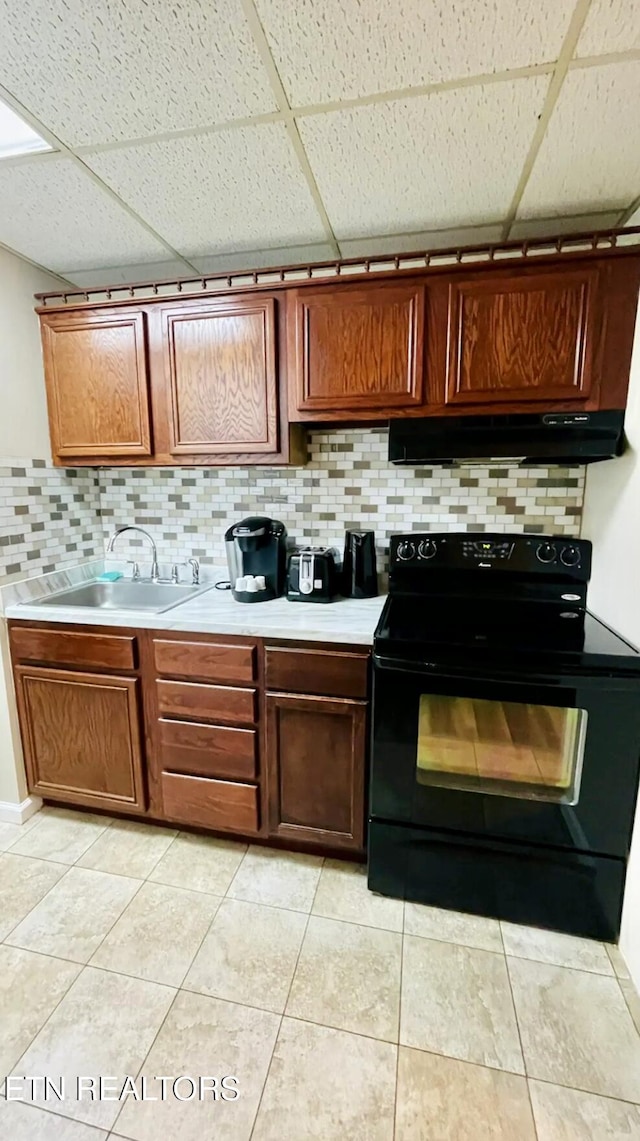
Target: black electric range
{"x": 506, "y": 734}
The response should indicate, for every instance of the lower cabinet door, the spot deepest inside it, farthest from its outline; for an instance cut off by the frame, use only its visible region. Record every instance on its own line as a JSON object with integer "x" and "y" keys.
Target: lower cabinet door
{"x": 316, "y": 752}
{"x": 81, "y": 737}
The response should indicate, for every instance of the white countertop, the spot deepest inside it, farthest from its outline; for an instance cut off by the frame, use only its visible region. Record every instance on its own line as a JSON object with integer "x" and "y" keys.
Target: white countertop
{"x": 348, "y": 620}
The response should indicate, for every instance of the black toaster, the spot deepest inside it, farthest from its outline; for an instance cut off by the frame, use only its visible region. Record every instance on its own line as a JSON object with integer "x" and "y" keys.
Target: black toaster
{"x": 312, "y": 575}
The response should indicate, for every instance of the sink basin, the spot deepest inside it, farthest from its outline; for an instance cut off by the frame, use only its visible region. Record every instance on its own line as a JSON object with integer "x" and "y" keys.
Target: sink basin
{"x": 124, "y": 595}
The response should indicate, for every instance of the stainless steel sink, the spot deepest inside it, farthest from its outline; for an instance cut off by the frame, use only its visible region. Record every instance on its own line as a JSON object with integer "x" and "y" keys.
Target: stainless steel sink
{"x": 125, "y": 595}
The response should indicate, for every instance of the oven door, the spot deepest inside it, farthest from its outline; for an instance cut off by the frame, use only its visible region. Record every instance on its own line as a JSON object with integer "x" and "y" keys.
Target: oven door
{"x": 541, "y": 759}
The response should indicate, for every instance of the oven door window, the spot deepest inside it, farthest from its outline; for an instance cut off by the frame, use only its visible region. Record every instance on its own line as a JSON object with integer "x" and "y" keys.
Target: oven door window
{"x": 501, "y": 747}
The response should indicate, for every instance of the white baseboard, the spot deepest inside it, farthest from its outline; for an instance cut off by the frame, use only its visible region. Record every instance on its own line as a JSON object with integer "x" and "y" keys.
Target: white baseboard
{"x": 19, "y": 813}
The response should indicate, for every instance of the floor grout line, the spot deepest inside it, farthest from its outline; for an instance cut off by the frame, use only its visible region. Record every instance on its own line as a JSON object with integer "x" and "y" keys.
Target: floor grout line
{"x": 286, "y": 1001}
{"x": 515, "y": 1014}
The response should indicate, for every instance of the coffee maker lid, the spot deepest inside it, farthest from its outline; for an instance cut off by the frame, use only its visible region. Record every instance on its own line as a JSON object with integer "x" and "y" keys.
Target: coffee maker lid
{"x": 254, "y": 526}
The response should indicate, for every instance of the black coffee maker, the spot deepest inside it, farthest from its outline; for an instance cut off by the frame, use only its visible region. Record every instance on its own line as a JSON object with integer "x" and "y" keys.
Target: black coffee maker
{"x": 257, "y": 558}
{"x": 359, "y": 569}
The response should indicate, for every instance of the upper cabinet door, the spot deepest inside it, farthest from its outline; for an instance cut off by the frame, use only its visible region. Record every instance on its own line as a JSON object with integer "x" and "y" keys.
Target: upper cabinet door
{"x": 519, "y": 337}
{"x": 358, "y": 348}
{"x": 95, "y": 367}
{"x": 220, "y": 373}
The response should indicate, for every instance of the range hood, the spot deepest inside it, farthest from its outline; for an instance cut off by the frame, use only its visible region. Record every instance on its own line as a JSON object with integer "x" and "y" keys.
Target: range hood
{"x": 536, "y": 438}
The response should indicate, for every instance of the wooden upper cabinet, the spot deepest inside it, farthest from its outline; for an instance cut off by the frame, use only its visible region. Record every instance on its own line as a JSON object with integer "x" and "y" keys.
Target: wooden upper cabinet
{"x": 220, "y": 376}
{"x": 521, "y": 337}
{"x": 97, "y": 383}
{"x": 356, "y": 348}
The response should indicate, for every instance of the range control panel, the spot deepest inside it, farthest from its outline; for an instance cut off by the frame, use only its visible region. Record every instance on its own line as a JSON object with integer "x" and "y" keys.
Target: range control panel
{"x": 529, "y": 555}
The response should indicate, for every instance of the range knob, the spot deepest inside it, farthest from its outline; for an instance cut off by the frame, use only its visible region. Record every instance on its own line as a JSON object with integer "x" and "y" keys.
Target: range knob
{"x": 570, "y": 556}
{"x": 406, "y": 550}
{"x": 546, "y": 552}
{"x": 427, "y": 549}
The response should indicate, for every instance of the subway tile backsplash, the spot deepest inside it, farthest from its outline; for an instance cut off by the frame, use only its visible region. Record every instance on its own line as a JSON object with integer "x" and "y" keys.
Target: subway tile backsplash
{"x": 48, "y": 516}
{"x": 348, "y": 483}
{"x": 53, "y": 516}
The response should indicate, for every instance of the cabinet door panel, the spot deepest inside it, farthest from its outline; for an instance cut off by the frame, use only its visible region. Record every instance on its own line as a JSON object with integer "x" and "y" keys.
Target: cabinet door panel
{"x": 97, "y": 384}
{"x": 316, "y": 763}
{"x": 220, "y": 367}
{"x": 359, "y": 347}
{"x": 81, "y": 737}
{"x": 521, "y": 338}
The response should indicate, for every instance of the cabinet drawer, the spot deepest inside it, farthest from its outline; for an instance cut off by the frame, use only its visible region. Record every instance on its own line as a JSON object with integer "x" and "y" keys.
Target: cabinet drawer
{"x": 207, "y": 702}
{"x": 208, "y": 750}
{"x": 208, "y": 661}
{"x": 218, "y": 804}
{"x": 320, "y": 672}
{"x": 70, "y": 648}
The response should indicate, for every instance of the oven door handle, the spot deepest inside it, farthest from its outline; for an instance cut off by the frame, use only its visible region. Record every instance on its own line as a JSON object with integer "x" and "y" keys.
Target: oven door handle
{"x": 402, "y": 665}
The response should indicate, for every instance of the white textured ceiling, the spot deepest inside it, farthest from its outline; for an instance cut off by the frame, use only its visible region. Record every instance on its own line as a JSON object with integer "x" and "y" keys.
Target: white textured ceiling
{"x": 211, "y": 134}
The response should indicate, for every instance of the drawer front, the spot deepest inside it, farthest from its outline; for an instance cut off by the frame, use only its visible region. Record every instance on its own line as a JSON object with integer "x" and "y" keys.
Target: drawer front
{"x": 207, "y": 661}
{"x": 218, "y": 804}
{"x": 70, "y": 648}
{"x": 321, "y": 672}
{"x": 207, "y": 702}
{"x": 208, "y": 750}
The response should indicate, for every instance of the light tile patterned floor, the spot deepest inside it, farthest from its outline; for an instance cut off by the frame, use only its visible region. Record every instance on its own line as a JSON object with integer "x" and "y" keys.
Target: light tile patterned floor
{"x": 133, "y": 950}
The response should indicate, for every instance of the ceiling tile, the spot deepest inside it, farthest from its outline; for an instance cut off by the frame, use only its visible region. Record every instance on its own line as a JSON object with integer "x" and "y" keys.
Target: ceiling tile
{"x": 571, "y": 224}
{"x": 123, "y": 69}
{"x": 264, "y": 259}
{"x": 634, "y": 220}
{"x": 590, "y": 156}
{"x": 439, "y": 161}
{"x": 610, "y": 26}
{"x": 328, "y": 50}
{"x": 217, "y": 192}
{"x": 58, "y": 215}
{"x": 420, "y": 240}
{"x": 126, "y": 274}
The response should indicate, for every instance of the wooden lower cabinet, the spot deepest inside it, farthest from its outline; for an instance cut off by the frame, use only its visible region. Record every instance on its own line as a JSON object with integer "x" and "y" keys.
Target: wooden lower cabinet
{"x": 224, "y": 734}
{"x": 316, "y": 750}
{"x": 81, "y": 737}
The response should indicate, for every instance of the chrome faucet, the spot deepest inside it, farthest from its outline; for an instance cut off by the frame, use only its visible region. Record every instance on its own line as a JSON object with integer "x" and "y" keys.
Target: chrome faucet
{"x": 130, "y": 527}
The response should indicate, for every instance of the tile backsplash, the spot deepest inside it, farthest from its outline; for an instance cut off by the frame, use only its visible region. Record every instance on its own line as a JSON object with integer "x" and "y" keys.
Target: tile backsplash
{"x": 348, "y": 483}
{"x": 48, "y": 516}
{"x": 52, "y": 516}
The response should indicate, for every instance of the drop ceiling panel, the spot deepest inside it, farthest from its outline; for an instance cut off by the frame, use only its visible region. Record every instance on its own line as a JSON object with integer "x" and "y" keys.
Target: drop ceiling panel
{"x": 572, "y": 224}
{"x": 59, "y": 216}
{"x": 611, "y": 26}
{"x": 435, "y": 162}
{"x": 263, "y": 259}
{"x": 590, "y": 155}
{"x": 420, "y": 240}
{"x": 328, "y": 49}
{"x": 223, "y": 191}
{"x": 123, "y": 69}
{"x": 125, "y": 274}
{"x": 634, "y": 220}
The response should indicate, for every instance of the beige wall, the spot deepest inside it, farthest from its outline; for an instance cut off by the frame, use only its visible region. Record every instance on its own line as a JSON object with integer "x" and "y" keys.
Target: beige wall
{"x": 24, "y": 434}
{"x": 23, "y": 419}
{"x": 611, "y": 519}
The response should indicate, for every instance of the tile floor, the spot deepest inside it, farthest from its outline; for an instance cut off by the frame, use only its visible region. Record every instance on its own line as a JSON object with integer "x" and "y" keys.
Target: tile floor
{"x": 133, "y": 950}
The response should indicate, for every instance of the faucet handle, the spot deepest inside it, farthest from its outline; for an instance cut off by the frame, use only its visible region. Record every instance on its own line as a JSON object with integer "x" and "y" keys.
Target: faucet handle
{"x": 195, "y": 570}
{"x": 175, "y": 573}
{"x": 135, "y": 574}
